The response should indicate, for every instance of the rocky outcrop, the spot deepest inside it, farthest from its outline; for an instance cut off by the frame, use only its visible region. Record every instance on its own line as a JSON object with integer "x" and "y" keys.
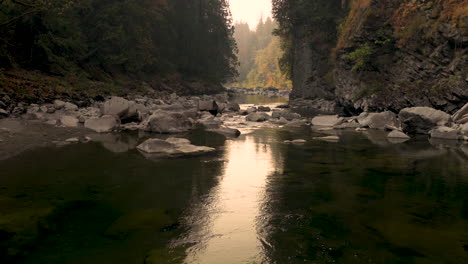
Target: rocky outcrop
{"x": 419, "y": 120}
{"x": 388, "y": 55}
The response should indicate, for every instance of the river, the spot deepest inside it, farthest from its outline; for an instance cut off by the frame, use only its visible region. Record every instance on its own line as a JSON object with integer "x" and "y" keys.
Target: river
{"x": 256, "y": 200}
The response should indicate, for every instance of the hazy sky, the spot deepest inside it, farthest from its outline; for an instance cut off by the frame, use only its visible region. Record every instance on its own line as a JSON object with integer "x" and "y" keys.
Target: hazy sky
{"x": 250, "y": 11}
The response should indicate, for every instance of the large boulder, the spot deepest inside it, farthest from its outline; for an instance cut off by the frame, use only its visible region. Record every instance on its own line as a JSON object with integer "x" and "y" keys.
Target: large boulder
{"x": 103, "y": 124}
{"x": 116, "y": 106}
{"x": 327, "y": 120}
{"x": 172, "y": 147}
{"x": 210, "y": 122}
{"x": 420, "y": 120}
{"x": 136, "y": 111}
{"x": 169, "y": 122}
{"x": 379, "y": 120}
{"x": 233, "y": 107}
{"x": 209, "y": 105}
{"x": 69, "y": 121}
{"x": 286, "y": 114}
{"x": 444, "y": 132}
{"x": 257, "y": 117}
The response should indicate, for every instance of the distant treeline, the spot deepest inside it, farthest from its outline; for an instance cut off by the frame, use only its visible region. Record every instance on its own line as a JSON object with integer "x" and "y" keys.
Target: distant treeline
{"x": 102, "y": 39}
{"x": 259, "y": 52}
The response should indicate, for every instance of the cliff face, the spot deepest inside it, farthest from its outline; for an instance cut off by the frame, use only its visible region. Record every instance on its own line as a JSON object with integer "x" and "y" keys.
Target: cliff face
{"x": 388, "y": 54}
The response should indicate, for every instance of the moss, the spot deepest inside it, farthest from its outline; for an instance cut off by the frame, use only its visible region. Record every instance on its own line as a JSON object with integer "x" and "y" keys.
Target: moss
{"x": 361, "y": 56}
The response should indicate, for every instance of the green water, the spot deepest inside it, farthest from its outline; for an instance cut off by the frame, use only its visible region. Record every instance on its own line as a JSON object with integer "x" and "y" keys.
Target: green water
{"x": 256, "y": 200}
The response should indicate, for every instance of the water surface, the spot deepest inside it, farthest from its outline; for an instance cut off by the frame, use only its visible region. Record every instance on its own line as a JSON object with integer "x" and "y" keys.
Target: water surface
{"x": 256, "y": 200}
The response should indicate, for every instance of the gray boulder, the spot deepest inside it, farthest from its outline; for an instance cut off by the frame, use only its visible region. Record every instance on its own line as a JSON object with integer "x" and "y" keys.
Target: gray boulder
{"x": 103, "y": 124}
{"x": 379, "y": 120}
{"x": 327, "y": 120}
{"x": 464, "y": 129}
{"x": 115, "y": 106}
{"x": 70, "y": 107}
{"x": 263, "y": 109}
{"x": 69, "y": 121}
{"x": 420, "y": 120}
{"x": 233, "y": 107}
{"x": 169, "y": 122}
{"x": 58, "y": 104}
{"x": 172, "y": 147}
{"x": 443, "y": 132}
{"x": 257, "y": 117}
{"x": 210, "y": 122}
{"x": 209, "y": 105}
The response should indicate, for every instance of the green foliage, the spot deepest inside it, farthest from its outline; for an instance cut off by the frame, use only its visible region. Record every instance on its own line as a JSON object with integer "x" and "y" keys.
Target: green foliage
{"x": 135, "y": 38}
{"x": 361, "y": 56}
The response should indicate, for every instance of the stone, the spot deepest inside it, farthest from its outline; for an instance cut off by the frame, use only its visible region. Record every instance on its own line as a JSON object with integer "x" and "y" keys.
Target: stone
{"x": 397, "y": 134}
{"x": 361, "y": 129}
{"x": 172, "y": 147}
{"x": 348, "y": 124}
{"x": 58, "y": 104}
{"x": 328, "y": 138}
{"x": 51, "y": 122}
{"x": 460, "y": 114}
{"x": 257, "y": 117}
{"x": 463, "y": 119}
{"x": 464, "y": 129}
{"x": 210, "y": 123}
{"x": 295, "y": 123}
{"x": 169, "y": 122}
{"x": 210, "y": 105}
{"x": 443, "y": 132}
{"x": 379, "y": 120}
{"x": 70, "y": 107}
{"x": 299, "y": 141}
{"x": 263, "y": 109}
{"x": 226, "y": 131}
{"x": 3, "y": 113}
{"x": 221, "y": 107}
{"x": 327, "y": 120}
{"x": 73, "y": 140}
{"x": 137, "y": 111}
{"x": 115, "y": 106}
{"x": 233, "y": 107}
{"x": 69, "y": 121}
{"x": 104, "y": 124}
{"x": 420, "y": 120}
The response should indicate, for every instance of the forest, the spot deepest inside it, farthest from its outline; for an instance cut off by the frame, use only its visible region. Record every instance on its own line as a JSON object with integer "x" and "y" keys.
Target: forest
{"x": 258, "y": 55}
{"x": 105, "y": 40}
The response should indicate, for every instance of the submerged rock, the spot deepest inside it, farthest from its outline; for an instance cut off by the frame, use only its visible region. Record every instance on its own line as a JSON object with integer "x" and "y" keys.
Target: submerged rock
{"x": 172, "y": 147}
{"x": 328, "y": 138}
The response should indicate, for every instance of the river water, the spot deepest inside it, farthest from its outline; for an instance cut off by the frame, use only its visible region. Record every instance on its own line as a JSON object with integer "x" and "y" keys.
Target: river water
{"x": 256, "y": 200}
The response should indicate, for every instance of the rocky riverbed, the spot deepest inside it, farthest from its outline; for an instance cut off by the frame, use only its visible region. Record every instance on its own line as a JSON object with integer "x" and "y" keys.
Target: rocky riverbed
{"x": 64, "y": 123}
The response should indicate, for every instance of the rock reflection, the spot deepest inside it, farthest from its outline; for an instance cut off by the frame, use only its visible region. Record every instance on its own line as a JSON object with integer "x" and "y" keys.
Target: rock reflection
{"x": 223, "y": 225}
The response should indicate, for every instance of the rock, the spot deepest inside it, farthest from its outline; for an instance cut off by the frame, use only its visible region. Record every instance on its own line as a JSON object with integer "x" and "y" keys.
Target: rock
{"x": 172, "y": 147}
{"x": 133, "y": 126}
{"x": 210, "y": 123}
{"x": 18, "y": 110}
{"x": 397, "y": 134}
{"x": 295, "y": 123}
{"x": 69, "y": 121}
{"x": 136, "y": 111}
{"x": 58, "y": 104}
{"x": 298, "y": 141}
{"x": 443, "y": 132}
{"x": 3, "y": 113}
{"x": 104, "y": 124}
{"x": 226, "y": 131}
{"x": 70, "y": 107}
{"x": 348, "y": 124}
{"x": 73, "y": 140}
{"x": 460, "y": 114}
{"x": 115, "y": 106}
{"x": 169, "y": 122}
{"x": 251, "y": 110}
{"x": 463, "y": 119}
{"x": 420, "y": 120}
{"x": 327, "y": 120}
{"x": 233, "y": 107}
{"x": 328, "y": 138}
{"x": 221, "y": 107}
{"x": 283, "y": 106}
{"x": 257, "y": 117}
{"x": 464, "y": 129}
{"x": 207, "y": 105}
{"x": 379, "y": 120}
{"x": 51, "y": 122}
{"x": 32, "y": 109}
{"x": 263, "y": 109}
{"x": 360, "y": 129}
